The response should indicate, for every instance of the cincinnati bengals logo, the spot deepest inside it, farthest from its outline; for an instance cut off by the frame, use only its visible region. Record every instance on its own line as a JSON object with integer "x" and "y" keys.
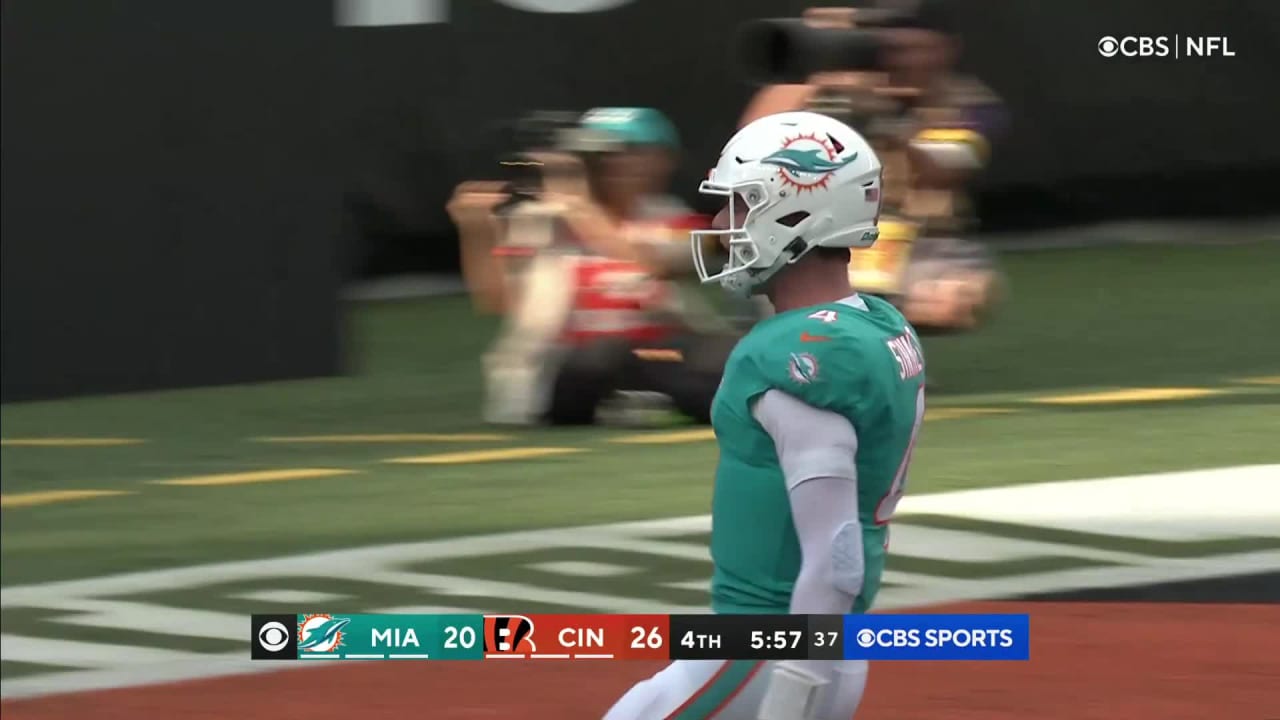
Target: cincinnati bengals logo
{"x": 511, "y": 634}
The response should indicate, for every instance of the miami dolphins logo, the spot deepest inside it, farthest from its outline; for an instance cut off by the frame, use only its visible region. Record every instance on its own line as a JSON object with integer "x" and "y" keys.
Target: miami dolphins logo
{"x": 321, "y": 633}
{"x": 803, "y": 368}
{"x": 806, "y": 162}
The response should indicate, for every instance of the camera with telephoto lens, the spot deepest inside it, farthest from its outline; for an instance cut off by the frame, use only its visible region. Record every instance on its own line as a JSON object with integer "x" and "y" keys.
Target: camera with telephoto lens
{"x": 789, "y": 50}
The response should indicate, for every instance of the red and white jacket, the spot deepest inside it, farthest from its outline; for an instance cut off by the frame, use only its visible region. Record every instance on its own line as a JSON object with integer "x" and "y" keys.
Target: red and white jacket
{"x": 571, "y": 299}
{"x": 615, "y": 298}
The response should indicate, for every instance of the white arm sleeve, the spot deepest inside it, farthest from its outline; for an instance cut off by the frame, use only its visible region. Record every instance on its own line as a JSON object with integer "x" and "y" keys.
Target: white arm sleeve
{"x": 816, "y": 449}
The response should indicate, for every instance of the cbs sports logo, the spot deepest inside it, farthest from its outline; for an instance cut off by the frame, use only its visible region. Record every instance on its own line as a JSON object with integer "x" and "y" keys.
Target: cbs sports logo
{"x": 934, "y": 638}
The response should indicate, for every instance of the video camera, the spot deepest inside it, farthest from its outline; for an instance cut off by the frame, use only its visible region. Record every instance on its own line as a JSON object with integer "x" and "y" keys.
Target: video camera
{"x": 537, "y": 131}
{"x": 542, "y": 131}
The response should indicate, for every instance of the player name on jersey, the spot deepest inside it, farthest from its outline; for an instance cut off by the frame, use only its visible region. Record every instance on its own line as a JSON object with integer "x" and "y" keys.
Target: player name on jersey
{"x": 333, "y": 636}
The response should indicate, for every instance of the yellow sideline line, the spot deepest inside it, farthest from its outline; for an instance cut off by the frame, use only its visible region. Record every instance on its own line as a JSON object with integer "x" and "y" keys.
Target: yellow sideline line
{"x": 663, "y": 438}
{"x": 48, "y": 497}
{"x": 259, "y": 476}
{"x": 1129, "y": 395}
{"x": 481, "y": 456}
{"x": 386, "y": 438}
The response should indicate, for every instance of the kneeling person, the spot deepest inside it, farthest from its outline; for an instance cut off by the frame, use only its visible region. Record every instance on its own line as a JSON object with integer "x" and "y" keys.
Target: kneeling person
{"x": 594, "y": 310}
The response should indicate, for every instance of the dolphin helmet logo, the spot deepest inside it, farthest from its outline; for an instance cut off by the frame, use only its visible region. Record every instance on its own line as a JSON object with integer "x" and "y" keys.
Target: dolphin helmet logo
{"x": 806, "y": 162}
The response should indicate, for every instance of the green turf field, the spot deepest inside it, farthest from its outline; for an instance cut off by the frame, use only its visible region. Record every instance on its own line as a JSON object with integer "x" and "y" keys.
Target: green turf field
{"x": 1105, "y": 362}
{"x": 1183, "y": 317}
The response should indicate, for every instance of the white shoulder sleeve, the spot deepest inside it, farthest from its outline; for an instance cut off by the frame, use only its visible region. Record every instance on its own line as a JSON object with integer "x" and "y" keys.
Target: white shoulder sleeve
{"x": 810, "y": 442}
{"x": 816, "y": 449}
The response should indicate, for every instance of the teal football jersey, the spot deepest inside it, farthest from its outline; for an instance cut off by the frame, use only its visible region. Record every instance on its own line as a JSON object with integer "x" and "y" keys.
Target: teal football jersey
{"x": 858, "y": 357}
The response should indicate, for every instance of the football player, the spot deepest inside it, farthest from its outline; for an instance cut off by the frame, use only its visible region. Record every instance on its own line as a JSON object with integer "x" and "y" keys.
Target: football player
{"x": 816, "y": 418}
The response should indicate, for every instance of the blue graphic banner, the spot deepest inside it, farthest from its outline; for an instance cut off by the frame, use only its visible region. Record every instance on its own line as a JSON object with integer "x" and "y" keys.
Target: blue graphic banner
{"x": 937, "y": 637}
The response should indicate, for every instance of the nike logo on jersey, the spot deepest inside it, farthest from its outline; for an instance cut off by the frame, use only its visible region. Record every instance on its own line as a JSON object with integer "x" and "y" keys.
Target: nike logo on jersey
{"x": 807, "y": 337}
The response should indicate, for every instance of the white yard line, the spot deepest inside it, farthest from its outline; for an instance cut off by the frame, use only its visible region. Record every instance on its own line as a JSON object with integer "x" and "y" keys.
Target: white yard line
{"x": 20, "y": 648}
{"x": 1208, "y": 504}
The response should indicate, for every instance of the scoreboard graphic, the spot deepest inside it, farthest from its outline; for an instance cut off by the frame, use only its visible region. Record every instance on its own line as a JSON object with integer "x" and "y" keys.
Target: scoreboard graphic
{"x": 332, "y": 636}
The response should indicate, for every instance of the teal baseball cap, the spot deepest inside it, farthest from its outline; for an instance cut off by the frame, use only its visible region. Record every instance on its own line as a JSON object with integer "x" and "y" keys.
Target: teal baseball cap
{"x": 632, "y": 125}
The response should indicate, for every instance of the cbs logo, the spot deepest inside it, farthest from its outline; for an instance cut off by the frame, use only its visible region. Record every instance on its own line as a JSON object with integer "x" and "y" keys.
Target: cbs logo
{"x": 273, "y": 636}
{"x": 1131, "y": 46}
{"x": 888, "y": 638}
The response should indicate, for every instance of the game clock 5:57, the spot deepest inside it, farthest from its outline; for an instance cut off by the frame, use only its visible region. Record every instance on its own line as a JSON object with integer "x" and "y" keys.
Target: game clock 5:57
{"x": 776, "y": 640}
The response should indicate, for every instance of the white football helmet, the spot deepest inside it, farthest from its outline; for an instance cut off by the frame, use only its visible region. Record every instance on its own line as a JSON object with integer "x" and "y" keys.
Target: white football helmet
{"x": 794, "y": 181}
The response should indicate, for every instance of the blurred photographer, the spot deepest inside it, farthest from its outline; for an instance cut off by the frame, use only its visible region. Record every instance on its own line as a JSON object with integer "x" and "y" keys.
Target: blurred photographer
{"x": 577, "y": 257}
{"x": 888, "y": 71}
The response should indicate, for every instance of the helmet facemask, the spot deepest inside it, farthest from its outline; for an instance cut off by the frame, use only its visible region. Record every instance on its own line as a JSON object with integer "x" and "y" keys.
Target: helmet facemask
{"x": 746, "y": 202}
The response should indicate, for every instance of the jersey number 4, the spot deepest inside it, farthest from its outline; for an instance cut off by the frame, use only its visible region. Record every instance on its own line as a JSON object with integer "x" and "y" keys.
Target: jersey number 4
{"x": 889, "y": 503}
